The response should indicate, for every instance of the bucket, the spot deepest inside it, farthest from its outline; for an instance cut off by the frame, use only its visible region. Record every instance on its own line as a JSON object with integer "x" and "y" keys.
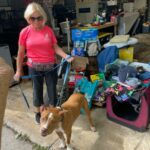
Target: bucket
{"x": 126, "y": 53}
{"x": 64, "y": 26}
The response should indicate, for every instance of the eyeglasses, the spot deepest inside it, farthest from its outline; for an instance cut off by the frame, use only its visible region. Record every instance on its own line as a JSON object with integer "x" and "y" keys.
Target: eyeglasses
{"x": 39, "y": 18}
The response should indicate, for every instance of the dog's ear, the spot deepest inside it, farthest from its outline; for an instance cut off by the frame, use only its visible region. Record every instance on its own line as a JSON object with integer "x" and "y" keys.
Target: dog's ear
{"x": 42, "y": 108}
{"x": 63, "y": 112}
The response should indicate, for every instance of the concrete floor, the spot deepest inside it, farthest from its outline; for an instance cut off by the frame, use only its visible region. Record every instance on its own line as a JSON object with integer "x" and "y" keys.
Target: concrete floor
{"x": 11, "y": 142}
{"x": 109, "y": 135}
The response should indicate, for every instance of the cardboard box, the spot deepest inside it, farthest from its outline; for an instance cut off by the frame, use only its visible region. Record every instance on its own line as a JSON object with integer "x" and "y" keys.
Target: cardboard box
{"x": 80, "y": 63}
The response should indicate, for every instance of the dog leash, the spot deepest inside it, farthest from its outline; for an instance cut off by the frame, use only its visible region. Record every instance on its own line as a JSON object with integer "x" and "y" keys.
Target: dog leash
{"x": 64, "y": 84}
{"x": 24, "y": 97}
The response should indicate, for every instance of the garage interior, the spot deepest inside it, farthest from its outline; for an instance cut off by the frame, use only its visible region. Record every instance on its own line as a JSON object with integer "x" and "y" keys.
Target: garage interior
{"x": 116, "y": 126}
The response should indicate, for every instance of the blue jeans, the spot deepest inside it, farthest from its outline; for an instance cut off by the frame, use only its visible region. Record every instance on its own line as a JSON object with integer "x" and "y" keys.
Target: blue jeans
{"x": 38, "y": 78}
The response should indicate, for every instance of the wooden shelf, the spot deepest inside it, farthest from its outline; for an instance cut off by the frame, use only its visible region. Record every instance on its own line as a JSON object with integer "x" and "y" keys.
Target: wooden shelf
{"x": 99, "y": 27}
{"x": 102, "y": 35}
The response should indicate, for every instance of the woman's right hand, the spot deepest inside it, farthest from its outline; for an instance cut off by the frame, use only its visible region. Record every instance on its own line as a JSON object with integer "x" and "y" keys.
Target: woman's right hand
{"x": 17, "y": 76}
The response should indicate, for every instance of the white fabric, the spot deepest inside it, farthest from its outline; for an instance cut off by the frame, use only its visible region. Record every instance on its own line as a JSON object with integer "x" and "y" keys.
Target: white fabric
{"x": 131, "y": 41}
{"x": 138, "y": 64}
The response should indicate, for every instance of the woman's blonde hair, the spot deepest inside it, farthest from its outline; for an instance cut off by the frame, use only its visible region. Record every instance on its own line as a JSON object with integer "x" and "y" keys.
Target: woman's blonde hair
{"x": 32, "y": 8}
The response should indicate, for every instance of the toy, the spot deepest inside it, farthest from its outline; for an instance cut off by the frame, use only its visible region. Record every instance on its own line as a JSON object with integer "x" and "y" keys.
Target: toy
{"x": 78, "y": 49}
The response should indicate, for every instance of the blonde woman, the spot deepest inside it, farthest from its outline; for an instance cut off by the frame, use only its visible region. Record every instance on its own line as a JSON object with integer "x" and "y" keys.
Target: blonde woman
{"x": 41, "y": 48}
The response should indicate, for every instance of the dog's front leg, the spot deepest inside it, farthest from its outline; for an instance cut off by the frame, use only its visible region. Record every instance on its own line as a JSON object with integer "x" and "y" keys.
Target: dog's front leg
{"x": 68, "y": 136}
{"x": 62, "y": 139}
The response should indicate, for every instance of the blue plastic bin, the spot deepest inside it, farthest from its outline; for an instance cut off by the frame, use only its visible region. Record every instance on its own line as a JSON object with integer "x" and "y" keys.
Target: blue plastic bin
{"x": 89, "y": 34}
{"x": 77, "y": 34}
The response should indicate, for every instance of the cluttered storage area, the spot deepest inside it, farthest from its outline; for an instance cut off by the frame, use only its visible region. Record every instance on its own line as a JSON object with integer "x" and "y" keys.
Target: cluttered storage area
{"x": 108, "y": 66}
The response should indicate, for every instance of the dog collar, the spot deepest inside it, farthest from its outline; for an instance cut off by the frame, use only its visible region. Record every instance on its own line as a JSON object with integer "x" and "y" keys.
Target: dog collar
{"x": 59, "y": 107}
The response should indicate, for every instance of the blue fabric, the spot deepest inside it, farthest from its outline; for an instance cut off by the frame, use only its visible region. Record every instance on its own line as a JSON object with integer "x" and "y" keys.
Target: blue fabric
{"x": 144, "y": 76}
{"x": 108, "y": 55}
{"x": 126, "y": 71}
{"x": 87, "y": 88}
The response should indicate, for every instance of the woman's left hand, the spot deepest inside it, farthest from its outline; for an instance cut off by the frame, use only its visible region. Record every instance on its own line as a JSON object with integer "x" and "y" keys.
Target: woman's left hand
{"x": 69, "y": 58}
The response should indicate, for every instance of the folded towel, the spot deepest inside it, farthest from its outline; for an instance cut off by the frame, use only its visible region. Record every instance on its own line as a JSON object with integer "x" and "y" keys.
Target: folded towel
{"x": 119, "y": 38}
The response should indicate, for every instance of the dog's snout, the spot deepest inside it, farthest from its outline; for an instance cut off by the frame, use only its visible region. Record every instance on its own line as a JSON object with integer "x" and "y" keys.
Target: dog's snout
{"x": 43, "y": 131}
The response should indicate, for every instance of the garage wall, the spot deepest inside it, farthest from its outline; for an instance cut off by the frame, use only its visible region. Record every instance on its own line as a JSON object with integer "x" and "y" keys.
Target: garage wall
{"x": 70, "y": 3}
{"x": 139, "y": 4}
{"x": 148, "y": 10}
{"x": 3, "y": 3}
{"x": 17, "y": 4}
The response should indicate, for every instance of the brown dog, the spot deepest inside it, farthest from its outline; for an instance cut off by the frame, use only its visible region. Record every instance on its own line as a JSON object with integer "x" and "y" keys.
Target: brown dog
{"x": 61, "y": 118}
